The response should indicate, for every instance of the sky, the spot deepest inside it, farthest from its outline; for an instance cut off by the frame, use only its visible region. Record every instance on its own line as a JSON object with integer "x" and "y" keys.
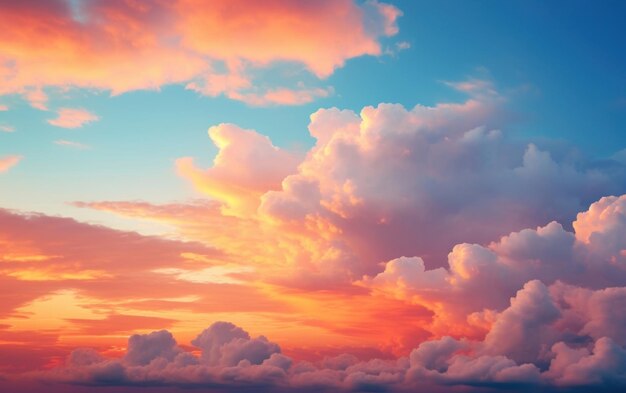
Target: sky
{"x": 295, "y": 196}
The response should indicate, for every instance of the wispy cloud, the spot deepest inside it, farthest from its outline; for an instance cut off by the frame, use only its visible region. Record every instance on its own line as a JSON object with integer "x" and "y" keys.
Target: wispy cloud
{"x": 72, "y": 144}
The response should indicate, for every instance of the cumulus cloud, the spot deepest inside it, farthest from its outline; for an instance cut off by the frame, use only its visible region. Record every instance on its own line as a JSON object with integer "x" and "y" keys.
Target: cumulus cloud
{"x": 212, "y": 48}
{"x": 8, "y": 162}
{"x": 36, "y": 97}
{"x": 230, "y": 358}
{"x": 480, "y": 279}
{"x": 73, "y": 118}
{"x": 226, "y": 344}
{"x": 384, "y": 183}
{"x": 480, "y": 259}
{"x": 144, "y": 348}
{"x": 392, "y": 181}
{"x": 247, "y": 166}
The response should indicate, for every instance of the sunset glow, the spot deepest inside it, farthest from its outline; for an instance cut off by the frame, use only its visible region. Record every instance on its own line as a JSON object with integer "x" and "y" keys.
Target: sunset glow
{"x": 303, "y": 196}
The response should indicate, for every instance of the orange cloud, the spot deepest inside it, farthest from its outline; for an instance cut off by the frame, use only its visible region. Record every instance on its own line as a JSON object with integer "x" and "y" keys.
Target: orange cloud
{"x": 321, "y": 35}
{"x": 213, "y": 48}
{"x": 281, "y": 96}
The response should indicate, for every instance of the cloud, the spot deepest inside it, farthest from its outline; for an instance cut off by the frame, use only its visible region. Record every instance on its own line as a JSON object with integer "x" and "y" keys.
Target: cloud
{"x": 231, "y": 359}
{"x": 226, "y": 344}
{"x": 405, "y": 203}
{"x": 481, "y": 260}
{"x": 392, "y": 181}
{"x": 82, "y": 283}
{"x": 144, "y": 348}
{"x": 4, "y": 108}
{"x": 213, "y": 49}
{"x": 73, "y": 118}
{"x": 72, "y": 144}
{"x": 247, "y": 166}
{"x": 6, "y": 128}
{"x": 8, "y": 162}
{"x": 36, "y": 97}
{"x": 601, "y": 365}
{"x": 480, "y": 279}
{"x": 517, "y": 332}
{"x": 549, "y": 333}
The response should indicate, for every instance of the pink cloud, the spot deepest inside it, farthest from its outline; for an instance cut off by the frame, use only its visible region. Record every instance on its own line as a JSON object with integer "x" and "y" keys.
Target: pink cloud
{"x": 8, "y": 162}
{"x": 425, "y": 223}
{"x": 481, "y": 278}
{"x": 231, "y": 359}
{"x": 73, "y": 118}
{"x": 602, "y": 364}
{"x": 392, "y": 181}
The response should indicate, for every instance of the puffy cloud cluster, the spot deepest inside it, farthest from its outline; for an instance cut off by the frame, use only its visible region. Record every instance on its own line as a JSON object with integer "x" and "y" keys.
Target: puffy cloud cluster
{"x": 536, "y": 340}
{"x": 391, "y": 218}
{"x": 392, "y": 181}
{"x": 480, "y": 279}
{"x": 514, "y": 352}
{"x": 213, "y": 48}
{"x": 389, "y": 182}
{"x": 229, "y": 356}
